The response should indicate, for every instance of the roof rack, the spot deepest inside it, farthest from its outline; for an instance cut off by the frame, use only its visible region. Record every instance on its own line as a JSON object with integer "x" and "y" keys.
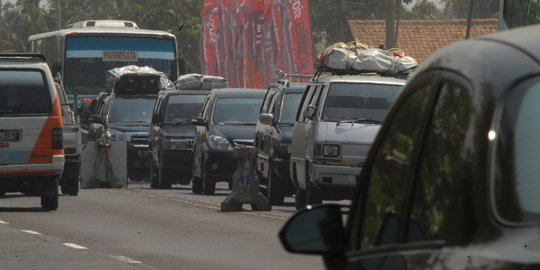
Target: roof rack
{"x": 24, "y": 55}
{"x": 282, "y": 78}
{"x": 321, "y": 71}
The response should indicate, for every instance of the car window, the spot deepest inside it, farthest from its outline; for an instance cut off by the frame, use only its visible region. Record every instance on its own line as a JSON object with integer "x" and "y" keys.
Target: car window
{"x": 516, "y": 183}
{"x": 349, "y": 101}
{"x": 236, "y": 110}
{"x": 441, "y": 192}
{"x": 24, "y": 92}
{"x": 388, "y": 176}
{"x": 183, "y": 108}
{"x": 289, "y": 107}
{"x": 137, "y": 110}
{"x": 267, "y": 99}
{"x": 306, "y": 98}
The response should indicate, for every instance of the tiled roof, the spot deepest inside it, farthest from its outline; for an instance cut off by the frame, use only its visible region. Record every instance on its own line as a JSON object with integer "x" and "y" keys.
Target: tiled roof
{"x": 420, "y": 38}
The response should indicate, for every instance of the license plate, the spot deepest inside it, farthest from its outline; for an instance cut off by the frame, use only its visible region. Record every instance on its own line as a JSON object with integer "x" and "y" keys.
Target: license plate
{"x": 10, "y": 135}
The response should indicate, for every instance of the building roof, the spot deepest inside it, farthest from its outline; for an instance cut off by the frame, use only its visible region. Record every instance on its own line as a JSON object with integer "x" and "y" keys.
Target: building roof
{"x": 420, "y": 38}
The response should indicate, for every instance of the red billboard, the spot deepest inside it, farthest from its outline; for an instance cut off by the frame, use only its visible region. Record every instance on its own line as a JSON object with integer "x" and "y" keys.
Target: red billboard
{"x": 245, "y": 41}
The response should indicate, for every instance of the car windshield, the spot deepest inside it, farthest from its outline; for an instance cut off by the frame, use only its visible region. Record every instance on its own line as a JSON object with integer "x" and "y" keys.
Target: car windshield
{"x": 237, "y": 110}
{"x": 352, "y": 101}
{"x": 23, "y": 92}
{"x": 518, "y": 150}
{"x": 289, "y": 106}
{"x": 134, "y": 110}
{"x": 183, "y": 108}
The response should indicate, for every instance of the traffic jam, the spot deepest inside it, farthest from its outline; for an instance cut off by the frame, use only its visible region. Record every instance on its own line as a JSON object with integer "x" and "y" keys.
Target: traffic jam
{"x": 369, "y": 156}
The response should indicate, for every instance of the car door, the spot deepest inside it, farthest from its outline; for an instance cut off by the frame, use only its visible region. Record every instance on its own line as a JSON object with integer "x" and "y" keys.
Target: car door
{"x": 414, "y": 186}
{"x": 200, "y": 136}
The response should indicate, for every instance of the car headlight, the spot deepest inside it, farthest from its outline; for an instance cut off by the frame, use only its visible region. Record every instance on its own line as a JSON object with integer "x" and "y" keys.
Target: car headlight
{"x": 330, "y": 150}
{"x": 219, "y": 143}
{"x": 115, "y": 135}
{"x": 174, "y": 144}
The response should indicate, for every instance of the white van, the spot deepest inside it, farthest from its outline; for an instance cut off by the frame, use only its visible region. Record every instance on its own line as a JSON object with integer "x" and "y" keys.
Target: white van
{"x": 31, "y": 143}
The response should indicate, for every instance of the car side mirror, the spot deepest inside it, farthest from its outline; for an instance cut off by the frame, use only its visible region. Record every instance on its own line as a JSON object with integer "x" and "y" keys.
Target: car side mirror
{"x": 315, "y": 230}
{"x": 266, "y": 118}
{"x": 199, "y": 122}
{"x": 310, "y": 112}
{"x": 94, "y": 118}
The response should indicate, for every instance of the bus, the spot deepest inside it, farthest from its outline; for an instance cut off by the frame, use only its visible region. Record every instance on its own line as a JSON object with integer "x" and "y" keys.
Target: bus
{"x": 82, "y": 53}
{"x": 517, "y": 13}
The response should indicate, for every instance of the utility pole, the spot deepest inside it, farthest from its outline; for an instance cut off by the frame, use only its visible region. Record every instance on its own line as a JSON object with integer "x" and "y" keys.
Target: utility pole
{"x": 390, "y": 21}
{"x": 58, "y": 15}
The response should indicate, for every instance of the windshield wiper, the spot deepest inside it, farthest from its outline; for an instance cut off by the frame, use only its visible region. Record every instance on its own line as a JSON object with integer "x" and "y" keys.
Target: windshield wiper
{"x": 360, "y": 120}
{"x": 182, "y": 121}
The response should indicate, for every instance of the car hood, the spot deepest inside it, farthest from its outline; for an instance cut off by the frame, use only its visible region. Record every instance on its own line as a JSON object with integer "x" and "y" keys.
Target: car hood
{"x": 349, "y": 133}
{"x": 232, "y": 132}
{"x": 285, "y": 132}
{"x": 130, "y": 127}
{"x": 187, "y": 130}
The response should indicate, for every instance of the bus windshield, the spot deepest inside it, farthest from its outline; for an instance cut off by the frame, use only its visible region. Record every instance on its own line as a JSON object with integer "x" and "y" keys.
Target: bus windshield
{"x": 88, "y": 58}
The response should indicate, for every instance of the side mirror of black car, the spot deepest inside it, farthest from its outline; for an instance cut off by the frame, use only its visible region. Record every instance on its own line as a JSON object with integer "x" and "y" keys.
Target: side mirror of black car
{"x": 94, "y": 118}
{"x": 199, "y": 122}
{"x": 315, "y": 230}
{"x": 266, "y": 118}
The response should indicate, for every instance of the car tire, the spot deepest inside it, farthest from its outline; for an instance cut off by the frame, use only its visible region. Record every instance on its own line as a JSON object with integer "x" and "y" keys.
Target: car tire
{"x": 313, "y": 196}
{"x": 154, "y": 177}
{"x": 274, "y": 190}
{"x": 209, "y": 185}
{"x": 164, "y": 182}
{"x": 70, "y": 180}
{"x": 49, "y": 194}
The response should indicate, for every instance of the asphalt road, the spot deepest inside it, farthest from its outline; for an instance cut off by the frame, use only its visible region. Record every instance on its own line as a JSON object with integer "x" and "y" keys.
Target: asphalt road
{"x": 140, "y": 228}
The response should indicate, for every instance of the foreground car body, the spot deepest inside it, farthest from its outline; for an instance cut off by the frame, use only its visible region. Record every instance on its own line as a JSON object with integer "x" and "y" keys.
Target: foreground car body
{"x": 451, "y": 181}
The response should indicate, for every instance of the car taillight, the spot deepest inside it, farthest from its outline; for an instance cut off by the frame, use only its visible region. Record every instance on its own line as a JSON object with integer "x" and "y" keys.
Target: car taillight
{"x": 57, "y": 139}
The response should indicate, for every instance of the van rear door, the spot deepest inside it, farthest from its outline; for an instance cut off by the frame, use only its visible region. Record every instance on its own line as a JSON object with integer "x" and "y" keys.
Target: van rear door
{"x": 27, "y": 122}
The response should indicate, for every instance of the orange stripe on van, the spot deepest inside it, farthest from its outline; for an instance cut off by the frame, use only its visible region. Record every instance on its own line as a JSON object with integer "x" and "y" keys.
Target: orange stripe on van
{"x": 42, "y": 151}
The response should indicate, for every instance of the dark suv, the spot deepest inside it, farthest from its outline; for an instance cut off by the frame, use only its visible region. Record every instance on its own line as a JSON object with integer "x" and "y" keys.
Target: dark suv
{"x": 172, "y": 136}
{"x": 451, "y": 181}
{"x": 227, "y": 120}
{"x": 126, "y": 113}
{"x": 273, "y": 136}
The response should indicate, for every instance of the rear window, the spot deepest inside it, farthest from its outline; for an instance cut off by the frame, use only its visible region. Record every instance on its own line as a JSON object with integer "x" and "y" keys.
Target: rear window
{"x": 183, "y": 108}
{"x": 237, "y": 111}
{"x": 516, "y": 167}
{"x": 24, "y": 92}
{"x": 351, "y": 101}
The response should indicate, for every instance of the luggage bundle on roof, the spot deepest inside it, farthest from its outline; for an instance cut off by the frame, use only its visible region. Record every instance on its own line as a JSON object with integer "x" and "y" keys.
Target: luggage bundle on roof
{"x": 194, "y": 81}
{"x": 136, "y": 80}
{"x": 355, "y": 57}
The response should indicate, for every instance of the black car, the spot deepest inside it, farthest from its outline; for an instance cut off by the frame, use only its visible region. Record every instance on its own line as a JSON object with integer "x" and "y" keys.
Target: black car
{"x": 172, "y": 136}
{"x": 273, "y": 136}
{"x": 451, "y": 181}
{"x": 227, "y": 120}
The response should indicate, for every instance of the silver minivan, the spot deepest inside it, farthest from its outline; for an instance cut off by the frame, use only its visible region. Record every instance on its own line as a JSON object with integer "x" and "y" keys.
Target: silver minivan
{"x": 337, "y": 121}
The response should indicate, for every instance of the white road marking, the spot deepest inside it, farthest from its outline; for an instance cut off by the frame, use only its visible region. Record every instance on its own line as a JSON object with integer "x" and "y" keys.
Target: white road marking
{"x": 31, "y": 232}
{"x": 3, "y": 222}
{"x": 75, "y": 246}
{"x": 124, "y": 259}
